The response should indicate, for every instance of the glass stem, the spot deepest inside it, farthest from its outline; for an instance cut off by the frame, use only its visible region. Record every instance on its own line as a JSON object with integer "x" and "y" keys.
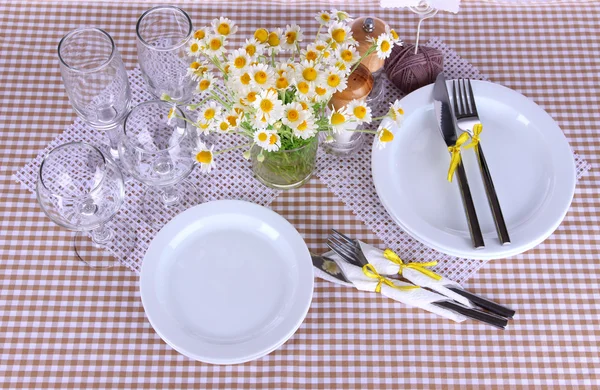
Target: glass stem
{"x": 102, "y": 235}
{"x": 169, "y": 195}
{"x": 114, "y": 136}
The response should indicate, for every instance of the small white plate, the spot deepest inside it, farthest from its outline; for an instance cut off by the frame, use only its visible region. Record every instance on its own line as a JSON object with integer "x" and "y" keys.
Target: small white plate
{"x": 529, "y": 158}
{"x": 226, "y": 282}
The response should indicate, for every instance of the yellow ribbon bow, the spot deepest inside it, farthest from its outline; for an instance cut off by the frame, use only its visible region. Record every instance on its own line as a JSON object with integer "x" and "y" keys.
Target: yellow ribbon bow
{"x": 477, "y": 129}
{"x": 455, "y": 151}
{"x": 421, "y": 267}
{"x": 370, "y": 271}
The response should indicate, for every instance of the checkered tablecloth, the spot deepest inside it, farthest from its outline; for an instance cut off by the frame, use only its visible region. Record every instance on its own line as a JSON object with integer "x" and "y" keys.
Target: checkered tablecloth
{"x": 63, "y": 325}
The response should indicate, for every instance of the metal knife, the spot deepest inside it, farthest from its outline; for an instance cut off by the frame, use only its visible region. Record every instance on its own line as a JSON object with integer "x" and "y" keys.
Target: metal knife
{"x": 447, "y": 123}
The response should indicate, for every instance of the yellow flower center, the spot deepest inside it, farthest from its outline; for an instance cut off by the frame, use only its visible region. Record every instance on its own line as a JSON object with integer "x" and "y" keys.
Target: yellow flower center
{"x": 251, "y": 97}
{"x": 385, "y": 46}
{"x": 223, "y": 29}
{"x": 341, "y": 65}
{"x": 204, "y": 157}
{"x": 250, "y": 50}
{"x": 400, "y": 111}
{"x": 290, "y": 37}
{"x": 204, "y": 126}
{"x": 360, "y": 112}
{"x": 304, "y": 106}
{"x": 303, "y": 87}
{"x": 232, "y": 119}
{"x": 320, "y": 91}
{"x": 195, "y": 65}
{"x": 320, "y": 47}
{"x": 204, "y": 84}
{"x": 262, "y": 137}
{"x": 311, "y": 55}
{"x": 293, "y": 115}
{"x": 171, "y": 113}
{"x": 282, "y": 83}
{"x": 273, "y": 39}
{"x": 338, "y": 35}
{"x": 325, "y": 17}
{"x": 337, "y": 119}
{"x": 386, "y": 135}
{"x": 266, "y": 105}
{"x": 226, "y": 69}
{"x": 272, "y": 139}
{"x": 194, "y": 48}
{"x": 347, "y": 55}
{"x": 199, "y": 34}
{"x": 224, "y": 126}
{"x": 209, "y": 114}
{"x": 239, "y": 62}
{"x": 303, "y": 126}
{"x": 394, "y": 34}
{"x": 260, "y": 77}
{"x": 245, "y": 79}
{"x": 333, "y": 80}
{"x": 309, "y": 74}
{"x": 261, "y": 35}
{"x": 215, "y": 44}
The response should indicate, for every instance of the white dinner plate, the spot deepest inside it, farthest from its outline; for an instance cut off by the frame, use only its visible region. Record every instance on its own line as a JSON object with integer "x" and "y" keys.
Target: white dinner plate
{"x": 226, "y": 282}
{"x": 529, "y": 158}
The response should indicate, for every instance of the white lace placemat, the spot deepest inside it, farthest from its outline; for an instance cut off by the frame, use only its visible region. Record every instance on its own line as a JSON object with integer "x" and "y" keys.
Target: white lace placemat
{"x": 231, "y": 179}
{"x": 350, "y": 179}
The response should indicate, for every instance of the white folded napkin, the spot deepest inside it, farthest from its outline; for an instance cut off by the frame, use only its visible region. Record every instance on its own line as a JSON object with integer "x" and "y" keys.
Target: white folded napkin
{"x": 442, "y": 5}
{"x": 387, "y": 267}
{"x": 417, "y": 297}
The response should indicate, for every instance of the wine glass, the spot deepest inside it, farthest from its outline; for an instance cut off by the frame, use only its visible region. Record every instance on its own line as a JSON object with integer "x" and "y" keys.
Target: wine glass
{"x": 159, "y": 152}
{"x": 96, "y": 81}
{"x": 80, "y": 189}
{"x": 163, "y": 34}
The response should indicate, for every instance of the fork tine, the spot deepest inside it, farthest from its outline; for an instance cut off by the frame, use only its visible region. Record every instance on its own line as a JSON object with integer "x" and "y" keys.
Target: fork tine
{"x": 457, "y": 111}
{"x": 348, "y": 258}
{"x": 463, "y": 98}
{"x": 343, "y": 246}
{"x": 472, "y": 98}
{"x": 343, "y": 236}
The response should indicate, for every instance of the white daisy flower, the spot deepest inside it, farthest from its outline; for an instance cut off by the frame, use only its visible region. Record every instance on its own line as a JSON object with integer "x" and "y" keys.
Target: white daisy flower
{"x": 304, "y": 90}
{"x": 360, "y": 111}
{"x": 394, "y": 35}
{"x": 274, "y": 41}
{"x": 384, "y": 134}
{"x": 335, "y": 79}
{"x": 322, "y": 94}
{"x": 196, "y": 70}
{"x": 205, "y": 126}
{"x": 305, "y": 129}
{"x": 384, "y": 46}
{"x": 171, "y": 115}
{"x": 207, "y": 83}
{"x": 274, "y": 142}
{"x": 323, "y": 18}
{"x": 200, "y": 34}
{"x": 268, "y": 107}
{"x": 209, "y": 112}
{"x": 194, "y": 48}
{"x": 293, "y": 113}
{"x": 324, "y": 50}
{"x": 224, "y": 26}
{"x": 261, "y": 35}
{"x": 291, "y": 36}
{"x": 341, "y": 15}
{"x": 339, "y": 33}
{"x": 338, "y": 120}
{"x": 262, "y": 76}
{"x": 261, "y": 137}
{"x": 310, "y": 53}
{"x": 348, "y": 54}
{"x": 205, "y": 157}
{"x": 215, "y": 45}
{"x": 222, "y": 125}
{"x": 310, "y": 72}
{"x": 253, "y": 47}
{"x": 249, "y": 97}
{"x": 282, "y": 82}
{"x": 239, "y": 59}
{"x": 240, "y": 79}
{"x": 396, "y": 113}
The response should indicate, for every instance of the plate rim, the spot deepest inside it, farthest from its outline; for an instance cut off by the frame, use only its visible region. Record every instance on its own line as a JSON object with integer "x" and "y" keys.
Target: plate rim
{"x": 472, "y": 253}
{"x": 146, "y": 284}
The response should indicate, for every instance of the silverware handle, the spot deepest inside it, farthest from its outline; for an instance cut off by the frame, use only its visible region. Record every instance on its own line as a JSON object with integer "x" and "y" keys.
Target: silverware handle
{"x": 492, "y": 196}
{"x": 472, "y": 221}
{"x": 485, "y": 303}
{"x": 475, "y": 314}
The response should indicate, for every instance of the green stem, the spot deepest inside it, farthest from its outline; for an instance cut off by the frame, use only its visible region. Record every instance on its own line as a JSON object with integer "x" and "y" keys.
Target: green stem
{"x": 216, "y": 97}
{"x": 192, "y": 107}
{"x": 234, "y": 148}
{"x": 368, "y": 52}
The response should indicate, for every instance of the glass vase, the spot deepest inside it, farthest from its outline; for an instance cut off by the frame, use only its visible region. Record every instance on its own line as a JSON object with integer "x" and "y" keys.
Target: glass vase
{"x": 285, "y": 169}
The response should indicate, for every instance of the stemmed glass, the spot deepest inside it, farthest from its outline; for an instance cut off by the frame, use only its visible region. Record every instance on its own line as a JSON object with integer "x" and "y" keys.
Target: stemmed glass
{"x": 163, "y": 33}
{"x": 80, "y": 189}
{"x": 159, "y": 152}
{"x": 96, "y": 81}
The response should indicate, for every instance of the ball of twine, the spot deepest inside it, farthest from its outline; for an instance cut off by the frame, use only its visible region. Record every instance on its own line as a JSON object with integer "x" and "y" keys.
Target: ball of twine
{"x": 409, "y": 71}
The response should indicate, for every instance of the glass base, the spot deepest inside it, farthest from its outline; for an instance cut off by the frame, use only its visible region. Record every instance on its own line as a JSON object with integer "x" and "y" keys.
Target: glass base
{"x": 344, "y": 146}
{"x": 281, "y": 186}
{"x": 99, "y": 256}
{"x": 158, "y": 210}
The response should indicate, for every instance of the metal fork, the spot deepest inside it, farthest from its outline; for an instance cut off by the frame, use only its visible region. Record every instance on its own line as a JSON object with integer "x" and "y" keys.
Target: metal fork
{"x": 349, "y": 250}
{"x": 466, "y": 117}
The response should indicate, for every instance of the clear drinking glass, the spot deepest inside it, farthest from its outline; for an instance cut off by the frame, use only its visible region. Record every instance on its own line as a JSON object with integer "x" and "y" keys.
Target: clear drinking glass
{"x": 163, "y": 34}
{"x": 80, "y": 189}
{"x": 159, "y": 152}
{"x": 96, "y": 80}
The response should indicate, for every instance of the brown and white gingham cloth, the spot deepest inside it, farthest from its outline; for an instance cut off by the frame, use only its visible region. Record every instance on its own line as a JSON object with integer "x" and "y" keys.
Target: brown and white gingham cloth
{"x": 63, "y": 325}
